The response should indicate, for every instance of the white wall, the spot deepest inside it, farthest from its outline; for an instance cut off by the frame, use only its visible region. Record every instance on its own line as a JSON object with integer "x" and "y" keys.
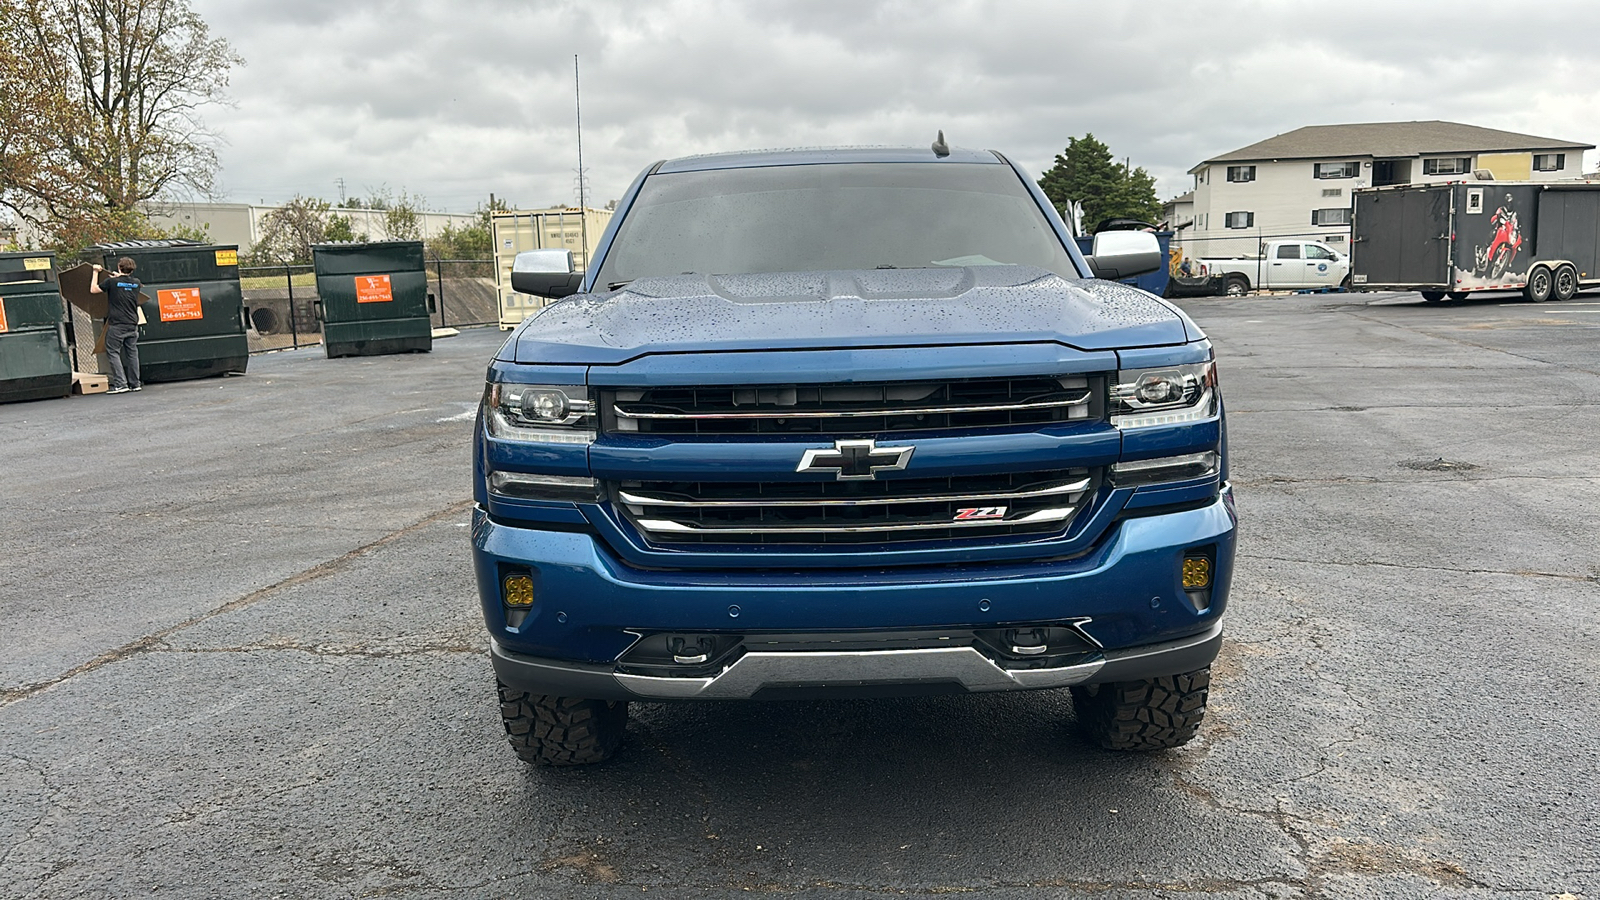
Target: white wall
{"x": 240, "y": 223}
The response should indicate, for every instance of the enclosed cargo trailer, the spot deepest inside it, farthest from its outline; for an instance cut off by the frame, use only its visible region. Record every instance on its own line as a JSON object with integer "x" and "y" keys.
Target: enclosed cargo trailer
{"x": 1449, "y": 240}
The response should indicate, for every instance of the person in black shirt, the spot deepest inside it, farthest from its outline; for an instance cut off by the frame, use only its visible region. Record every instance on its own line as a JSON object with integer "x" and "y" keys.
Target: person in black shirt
{"x": 122, "y": 323}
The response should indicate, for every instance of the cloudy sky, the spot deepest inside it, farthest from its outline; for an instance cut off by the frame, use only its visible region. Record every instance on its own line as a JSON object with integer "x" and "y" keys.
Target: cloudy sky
{"x": 454, "y": 99}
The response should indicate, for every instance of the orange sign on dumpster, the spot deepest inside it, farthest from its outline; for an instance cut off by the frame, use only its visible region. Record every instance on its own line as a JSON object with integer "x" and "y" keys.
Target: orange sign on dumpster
{"x": 3, "y": 326}
{"x": 178, "y": 304}
{"x": 373, "y": 289}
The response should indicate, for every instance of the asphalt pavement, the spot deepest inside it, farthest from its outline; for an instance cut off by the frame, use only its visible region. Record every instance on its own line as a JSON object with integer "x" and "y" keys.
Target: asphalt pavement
{"x": 241, "y": 656}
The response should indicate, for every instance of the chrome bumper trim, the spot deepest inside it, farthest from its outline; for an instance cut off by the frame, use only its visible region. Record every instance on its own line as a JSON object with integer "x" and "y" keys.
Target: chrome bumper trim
{"x": 756, "y": 670}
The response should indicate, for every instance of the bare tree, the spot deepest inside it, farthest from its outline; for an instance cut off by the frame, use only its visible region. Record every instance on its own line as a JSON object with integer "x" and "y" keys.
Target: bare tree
{"x": 127, "y": 80}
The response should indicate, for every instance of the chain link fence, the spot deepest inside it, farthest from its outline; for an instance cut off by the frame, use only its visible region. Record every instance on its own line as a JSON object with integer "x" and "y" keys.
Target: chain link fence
{"x": 282, "y": 300}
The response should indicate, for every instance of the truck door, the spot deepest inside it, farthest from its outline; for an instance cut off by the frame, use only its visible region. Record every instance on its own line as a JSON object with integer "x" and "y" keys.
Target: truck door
{"x": 1286, "y": 269}
{"x": 1321, "y": 268}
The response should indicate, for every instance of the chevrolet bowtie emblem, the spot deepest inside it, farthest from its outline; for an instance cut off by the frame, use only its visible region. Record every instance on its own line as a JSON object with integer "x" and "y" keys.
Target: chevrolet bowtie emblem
{"x": 855, "y": 460}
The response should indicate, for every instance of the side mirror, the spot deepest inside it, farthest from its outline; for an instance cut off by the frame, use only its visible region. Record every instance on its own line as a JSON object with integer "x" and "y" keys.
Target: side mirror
{"x": 1124, "y": 254}
{"x": 547, "y": 273}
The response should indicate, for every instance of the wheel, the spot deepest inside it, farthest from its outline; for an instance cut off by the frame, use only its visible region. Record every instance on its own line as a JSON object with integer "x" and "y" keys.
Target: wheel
{"x": 1457, "y": 295}
{"x": 1539, "y": 285}
{"x": 1238, "y": 285}
{"x": 1345, "y": 284}
{"x": 1151, "y": 714}
{"x": 1432, "y": 296}
{"x": 1566, "y": 284}
{"x": 1502, "y": 258}
{"x": 562, "y": 731}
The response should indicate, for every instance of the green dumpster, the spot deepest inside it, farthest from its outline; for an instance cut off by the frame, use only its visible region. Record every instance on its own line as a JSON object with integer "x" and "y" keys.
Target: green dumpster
{"x": 194, "y": 312}
{"x": 374, "y": 298}
{"x": 34, "y": 363}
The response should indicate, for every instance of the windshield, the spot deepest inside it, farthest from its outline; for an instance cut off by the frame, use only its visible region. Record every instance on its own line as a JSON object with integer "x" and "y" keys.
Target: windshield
{"x": 833, "y": 216}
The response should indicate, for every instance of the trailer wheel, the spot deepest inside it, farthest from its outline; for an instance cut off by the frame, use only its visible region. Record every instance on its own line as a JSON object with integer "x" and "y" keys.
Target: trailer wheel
{"x": 1432, "y": 296}
{"x": 1539, "y": 285}
{"x": 1238, "y": 285}
{"x": 1457, "y": 296}
{"x": 1566, "y": 283}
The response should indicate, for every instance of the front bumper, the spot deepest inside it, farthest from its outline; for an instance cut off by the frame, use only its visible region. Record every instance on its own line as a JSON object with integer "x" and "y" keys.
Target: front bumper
{"x": 876, "y": 672}
{"x": 591, "y": 608}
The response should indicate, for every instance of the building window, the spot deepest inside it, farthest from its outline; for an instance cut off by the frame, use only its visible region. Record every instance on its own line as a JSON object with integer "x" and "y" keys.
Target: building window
{"x": 1334, "y": 239}
{"x": 1241, "y": 174}
{"x": 1239, "y": 220}
{"x": 1549, "y": 162}
{"x": 1455, "y": 165}
{"x": 1338, "y": 169}
{"x": 1339, "y": 216}
{"x": 1333, "y": 192}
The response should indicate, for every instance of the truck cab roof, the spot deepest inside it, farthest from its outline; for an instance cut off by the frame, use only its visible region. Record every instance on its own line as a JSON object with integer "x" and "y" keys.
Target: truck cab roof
{"x": 809, "y": 156}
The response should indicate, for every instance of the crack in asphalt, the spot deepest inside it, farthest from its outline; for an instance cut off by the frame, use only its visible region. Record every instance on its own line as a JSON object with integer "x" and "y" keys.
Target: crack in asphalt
{"x": 1523, "y": 573}
{"x": 326, "y": 650}
{"x": 157, "y": 639}
{"x": 49, "y": 803}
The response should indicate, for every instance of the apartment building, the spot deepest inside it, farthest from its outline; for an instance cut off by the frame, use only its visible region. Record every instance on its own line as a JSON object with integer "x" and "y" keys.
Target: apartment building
{"x": 1299, "y": 183}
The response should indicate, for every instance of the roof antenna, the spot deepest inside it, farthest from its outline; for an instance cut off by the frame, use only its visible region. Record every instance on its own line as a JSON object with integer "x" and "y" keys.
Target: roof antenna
{"x": 940, "y": 148}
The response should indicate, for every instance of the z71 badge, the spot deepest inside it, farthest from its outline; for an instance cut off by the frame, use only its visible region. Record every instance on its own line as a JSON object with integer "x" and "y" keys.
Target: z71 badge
{"x": 981, "y": 512}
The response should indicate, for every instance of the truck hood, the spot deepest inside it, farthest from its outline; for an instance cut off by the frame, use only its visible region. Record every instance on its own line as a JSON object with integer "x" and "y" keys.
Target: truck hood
{"x": 854, "y": 309}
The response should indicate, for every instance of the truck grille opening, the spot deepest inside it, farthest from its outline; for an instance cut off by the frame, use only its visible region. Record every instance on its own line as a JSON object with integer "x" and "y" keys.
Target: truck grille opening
{"x": 899, "y": 510}
{"x": 866, "y": 408}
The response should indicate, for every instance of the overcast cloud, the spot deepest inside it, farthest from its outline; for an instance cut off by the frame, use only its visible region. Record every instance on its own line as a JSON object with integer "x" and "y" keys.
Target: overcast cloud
{"x": 454, "y": 99}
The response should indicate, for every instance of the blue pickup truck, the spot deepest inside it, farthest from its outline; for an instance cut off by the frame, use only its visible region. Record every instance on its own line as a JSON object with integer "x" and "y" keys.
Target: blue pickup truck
{"x": 849, "y": 422}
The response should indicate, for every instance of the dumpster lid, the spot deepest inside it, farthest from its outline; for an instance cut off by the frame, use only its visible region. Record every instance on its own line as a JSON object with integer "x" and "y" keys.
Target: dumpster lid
{"x": 147, "y": 245}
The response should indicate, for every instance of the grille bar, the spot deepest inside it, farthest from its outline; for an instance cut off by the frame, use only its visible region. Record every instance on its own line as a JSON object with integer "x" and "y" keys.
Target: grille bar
{"x": 854, "y": 408}
{"x": 1022, "y": 504}
{"x": 1040, "y": 516}
{"x": 1074, "y": 487}
{"x": 630, "y": 413}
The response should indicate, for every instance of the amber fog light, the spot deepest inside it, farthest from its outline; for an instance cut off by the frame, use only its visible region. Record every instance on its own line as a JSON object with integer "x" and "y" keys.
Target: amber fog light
{"x": 1196, "y": 573}
{"x": 519, "y": 591}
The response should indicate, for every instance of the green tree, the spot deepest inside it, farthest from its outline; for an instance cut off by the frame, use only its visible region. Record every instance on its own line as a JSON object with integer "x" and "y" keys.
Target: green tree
{"x": 288, "y": 232}
{"x": 1086, "y": 172}
{"x": 111, "y": 92}
{"x": 341, "y": 228}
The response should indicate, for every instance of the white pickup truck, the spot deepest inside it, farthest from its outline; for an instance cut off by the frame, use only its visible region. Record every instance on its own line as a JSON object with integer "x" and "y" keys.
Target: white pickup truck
{"x": 1283, "y": 265}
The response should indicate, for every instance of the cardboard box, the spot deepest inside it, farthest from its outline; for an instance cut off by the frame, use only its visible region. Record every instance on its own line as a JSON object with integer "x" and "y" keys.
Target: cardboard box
{"x": 85, "y": 383}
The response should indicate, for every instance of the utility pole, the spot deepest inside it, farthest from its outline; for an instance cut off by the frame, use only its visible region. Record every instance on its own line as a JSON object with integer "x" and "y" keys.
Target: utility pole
{"x": 341, "y": 192}
{"x": 577, "y": 98}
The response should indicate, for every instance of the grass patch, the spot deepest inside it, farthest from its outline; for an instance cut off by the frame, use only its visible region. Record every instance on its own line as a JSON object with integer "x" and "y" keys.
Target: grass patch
{"x": 277, "y": 282}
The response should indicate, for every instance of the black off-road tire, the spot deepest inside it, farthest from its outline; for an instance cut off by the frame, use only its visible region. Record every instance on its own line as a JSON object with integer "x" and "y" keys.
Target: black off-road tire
{"x": 562, "y": 731}
{"x": 1151, "y": 714}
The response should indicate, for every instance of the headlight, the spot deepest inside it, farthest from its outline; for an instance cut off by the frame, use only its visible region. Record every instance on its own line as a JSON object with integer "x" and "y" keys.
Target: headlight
{"x": 561, "y": 414}
{"x": 1169, "y": 396}
{"x": 1165, "y": 468}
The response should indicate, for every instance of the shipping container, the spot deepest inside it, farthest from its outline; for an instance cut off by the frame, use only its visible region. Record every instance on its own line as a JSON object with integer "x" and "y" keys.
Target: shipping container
{"x": 561, "y": 228}
{"x": 374, "y": 298}
{"x": 194, "y": 311}
{"x": 34, "y": 362}
{"x": 1450, "y": 240}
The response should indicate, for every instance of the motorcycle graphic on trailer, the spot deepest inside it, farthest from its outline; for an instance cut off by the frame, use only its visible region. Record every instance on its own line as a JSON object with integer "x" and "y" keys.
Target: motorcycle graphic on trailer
{"x": 1494, "y": 259}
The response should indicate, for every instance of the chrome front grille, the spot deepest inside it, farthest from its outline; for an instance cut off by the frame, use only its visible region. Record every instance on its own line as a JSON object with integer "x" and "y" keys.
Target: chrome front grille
{"x": 867, "y": 408}
{"x": 856, "y": 512}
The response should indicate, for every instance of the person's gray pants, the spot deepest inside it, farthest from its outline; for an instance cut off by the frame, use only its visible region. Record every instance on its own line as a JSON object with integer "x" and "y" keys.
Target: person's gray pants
{"x": 122, "y": 349}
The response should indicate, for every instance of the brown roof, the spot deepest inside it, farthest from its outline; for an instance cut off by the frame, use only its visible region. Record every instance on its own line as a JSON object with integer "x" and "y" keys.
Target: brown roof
{"x": 1389, "y": 139}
